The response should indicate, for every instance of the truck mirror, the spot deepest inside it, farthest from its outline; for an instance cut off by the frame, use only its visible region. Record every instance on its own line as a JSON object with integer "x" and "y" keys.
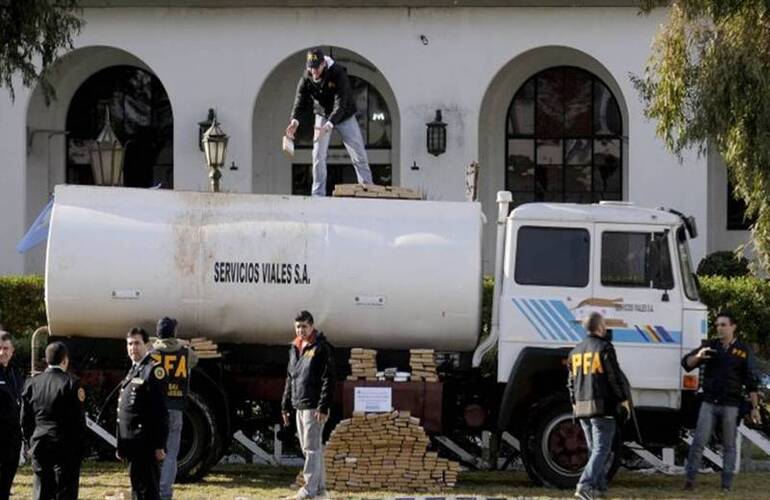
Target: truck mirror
{"x": 692, "y": 228}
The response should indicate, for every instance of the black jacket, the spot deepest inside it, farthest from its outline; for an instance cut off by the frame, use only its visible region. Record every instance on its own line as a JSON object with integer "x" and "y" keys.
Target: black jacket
{"x": 52, "y": 414}
{"x": 178, "y": 360}
{"x": 596, "y": 383}
{"x": 310, "y": 376}
{"x": 142, "y": 414}
{"x": 726, "y": 373}
{"x": 11, "y": 383}
{"x": 330, "y": 97}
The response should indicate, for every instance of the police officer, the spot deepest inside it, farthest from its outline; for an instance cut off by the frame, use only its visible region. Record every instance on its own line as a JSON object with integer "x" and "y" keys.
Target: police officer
{"x": 597, "y": 389}
{"x": 54, "y": 425}
{"x": 177, "y": 360}
{"x": 142, "y": 418}
{"x": 729, "y": 367}
{"x": 11, "y": 383}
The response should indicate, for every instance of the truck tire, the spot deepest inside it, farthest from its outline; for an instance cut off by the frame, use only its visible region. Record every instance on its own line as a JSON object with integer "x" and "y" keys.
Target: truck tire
{"x": 554, "y": 451}
{"x": 199, "y": 437}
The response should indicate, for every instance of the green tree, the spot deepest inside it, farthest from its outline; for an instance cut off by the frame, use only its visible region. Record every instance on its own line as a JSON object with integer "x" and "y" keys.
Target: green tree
{"x": 32, "y": 33}
{"x": 707, "y": 84}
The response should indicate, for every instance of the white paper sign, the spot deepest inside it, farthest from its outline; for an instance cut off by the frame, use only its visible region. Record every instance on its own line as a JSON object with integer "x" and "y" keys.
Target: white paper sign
{"x": 373, "y": 399}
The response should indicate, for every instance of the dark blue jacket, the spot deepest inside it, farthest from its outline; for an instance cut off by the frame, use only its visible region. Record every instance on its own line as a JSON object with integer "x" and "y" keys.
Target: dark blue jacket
{"x": 310, "y": 376}
{"x": 52, "y": 414}
{"x": 330, "y": 97}
{"x": 11, "y": 383}
{"x": 142, "y": 414}
{"x": 596, "y": 383}
{"x": 726, "y": 373}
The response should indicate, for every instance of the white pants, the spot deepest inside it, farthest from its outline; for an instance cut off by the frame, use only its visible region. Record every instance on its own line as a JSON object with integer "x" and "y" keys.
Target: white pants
{"x": 354, "y": 143}
{"x": 310, "y": 432}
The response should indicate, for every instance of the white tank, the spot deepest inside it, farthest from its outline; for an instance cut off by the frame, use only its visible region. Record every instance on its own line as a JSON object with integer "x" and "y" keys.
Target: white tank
{"x": 238, "y": 267}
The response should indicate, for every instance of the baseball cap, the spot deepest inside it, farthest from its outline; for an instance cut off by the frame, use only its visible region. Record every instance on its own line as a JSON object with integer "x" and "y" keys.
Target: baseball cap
{"x": 314, "y": 58}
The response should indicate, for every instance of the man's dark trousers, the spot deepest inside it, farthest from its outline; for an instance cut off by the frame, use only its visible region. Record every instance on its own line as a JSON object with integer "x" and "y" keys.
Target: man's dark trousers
{"x": 144, "y": 471}
{"x": 9, "y": 462}
{"x": 57, "y": 476}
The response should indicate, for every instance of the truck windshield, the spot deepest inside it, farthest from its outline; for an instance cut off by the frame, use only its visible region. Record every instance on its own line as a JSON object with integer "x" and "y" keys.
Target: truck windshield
{"x": 688, "y": 277}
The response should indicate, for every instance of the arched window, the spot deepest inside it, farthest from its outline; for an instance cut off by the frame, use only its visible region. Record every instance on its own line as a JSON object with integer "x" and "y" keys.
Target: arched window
{"x": 140, "y": 115}
{"x": 564, "y": 139}
{"x": 376, "y": 128}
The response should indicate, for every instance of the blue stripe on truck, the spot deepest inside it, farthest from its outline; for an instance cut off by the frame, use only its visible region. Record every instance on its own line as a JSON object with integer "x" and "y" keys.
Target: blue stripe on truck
{"x": 524, "y": 313}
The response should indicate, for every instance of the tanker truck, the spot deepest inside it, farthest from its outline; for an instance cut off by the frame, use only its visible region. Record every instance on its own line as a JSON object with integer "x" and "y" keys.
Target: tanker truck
{"x": 390, "y": 275}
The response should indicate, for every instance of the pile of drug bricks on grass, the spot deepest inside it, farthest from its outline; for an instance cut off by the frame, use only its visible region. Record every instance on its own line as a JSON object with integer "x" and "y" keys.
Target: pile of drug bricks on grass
{"x": 375, "y": 451}
{"x": 372, "y": 451}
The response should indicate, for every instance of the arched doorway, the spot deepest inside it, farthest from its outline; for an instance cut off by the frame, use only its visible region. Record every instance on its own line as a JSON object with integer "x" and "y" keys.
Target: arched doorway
{"x": 495, "y": 151}
{"x": 49, "y": 152}
{"x": 378, "y": 118}
{"x": 141, "y": 117}
{"x": 564, "y": 139}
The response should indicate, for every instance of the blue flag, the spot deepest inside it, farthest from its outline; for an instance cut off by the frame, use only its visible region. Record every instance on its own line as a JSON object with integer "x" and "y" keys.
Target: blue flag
{"x": 38, "y": 232}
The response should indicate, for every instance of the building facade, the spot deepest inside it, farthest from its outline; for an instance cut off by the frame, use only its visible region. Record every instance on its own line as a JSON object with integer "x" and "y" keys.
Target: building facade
{"x": 539, "y": 93}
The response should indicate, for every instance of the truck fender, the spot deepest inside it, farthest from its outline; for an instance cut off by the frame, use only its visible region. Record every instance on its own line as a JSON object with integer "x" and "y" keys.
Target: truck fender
{"x": 203, "y": 383}
{"x": 521, "y": 386}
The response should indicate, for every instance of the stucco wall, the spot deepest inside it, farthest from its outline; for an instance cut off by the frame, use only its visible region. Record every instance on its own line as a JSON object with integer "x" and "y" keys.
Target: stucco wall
{"x": 229, "y": 59}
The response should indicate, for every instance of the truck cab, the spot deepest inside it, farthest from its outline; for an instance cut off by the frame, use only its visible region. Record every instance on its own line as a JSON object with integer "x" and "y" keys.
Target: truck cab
{"x": 563, "y": 261}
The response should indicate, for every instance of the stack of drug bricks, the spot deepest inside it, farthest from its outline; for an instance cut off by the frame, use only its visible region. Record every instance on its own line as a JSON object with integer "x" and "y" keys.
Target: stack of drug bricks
{"x": 375, "y": 451}
{"x": 373, "y": 191}
{"x": 205, "y": 348}
{"x": 363, "y": 364}
{"x": 423, "y": 364}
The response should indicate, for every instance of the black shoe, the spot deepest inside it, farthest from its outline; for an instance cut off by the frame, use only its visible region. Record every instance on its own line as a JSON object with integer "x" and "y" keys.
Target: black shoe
{"x": 689, "y": 485}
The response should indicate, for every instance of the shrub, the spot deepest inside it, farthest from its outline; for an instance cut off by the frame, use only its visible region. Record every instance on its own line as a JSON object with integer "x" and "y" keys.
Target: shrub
{"x": 723, "y": 264}
{"x": 747, "y": 298}
{"x": 22, "y": 308}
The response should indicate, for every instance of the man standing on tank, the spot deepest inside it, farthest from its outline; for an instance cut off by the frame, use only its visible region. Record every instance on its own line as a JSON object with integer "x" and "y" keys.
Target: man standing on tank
{"x": 309, "y": 390}
{"x": 325, "y": 88}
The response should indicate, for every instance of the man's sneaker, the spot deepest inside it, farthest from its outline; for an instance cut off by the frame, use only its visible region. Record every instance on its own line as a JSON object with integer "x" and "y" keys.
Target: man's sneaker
{"x": 689, "y": 485}
{"x": 600, "y": 494}
{"x": 725, "y": 490}
{"x": 584, "y": 494}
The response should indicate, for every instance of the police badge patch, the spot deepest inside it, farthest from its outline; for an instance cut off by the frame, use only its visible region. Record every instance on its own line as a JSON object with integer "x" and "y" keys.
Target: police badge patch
{"x": 81, "y": 394}
{"x": 159, "y": 372}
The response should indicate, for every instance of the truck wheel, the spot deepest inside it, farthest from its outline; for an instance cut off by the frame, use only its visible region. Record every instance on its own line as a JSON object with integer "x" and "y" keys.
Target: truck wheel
{"x": 554, "y": 450}
{"x": 199, "y": 432}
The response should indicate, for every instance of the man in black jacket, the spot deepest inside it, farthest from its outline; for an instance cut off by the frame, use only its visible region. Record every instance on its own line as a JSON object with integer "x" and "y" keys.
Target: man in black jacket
{"x": 54, "y": 424}
{"x": 325, "y": 87}
{"x": 728, "y": 366}
{"x": 142, "y": 418}
{"x": 597, "y": 388}
{"x": 11, "y": 383}
{"x": 178, "y": 359}
{"x": 309, "y": 389}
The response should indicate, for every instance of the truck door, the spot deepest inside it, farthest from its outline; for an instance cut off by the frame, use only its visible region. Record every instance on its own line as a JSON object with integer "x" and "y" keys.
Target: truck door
{"x": 547, "y": 273}
{"x": 635, "y": 288}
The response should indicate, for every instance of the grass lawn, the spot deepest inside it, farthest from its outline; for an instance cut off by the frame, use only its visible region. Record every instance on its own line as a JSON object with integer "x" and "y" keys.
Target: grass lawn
{"x": 251, "y": 482}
